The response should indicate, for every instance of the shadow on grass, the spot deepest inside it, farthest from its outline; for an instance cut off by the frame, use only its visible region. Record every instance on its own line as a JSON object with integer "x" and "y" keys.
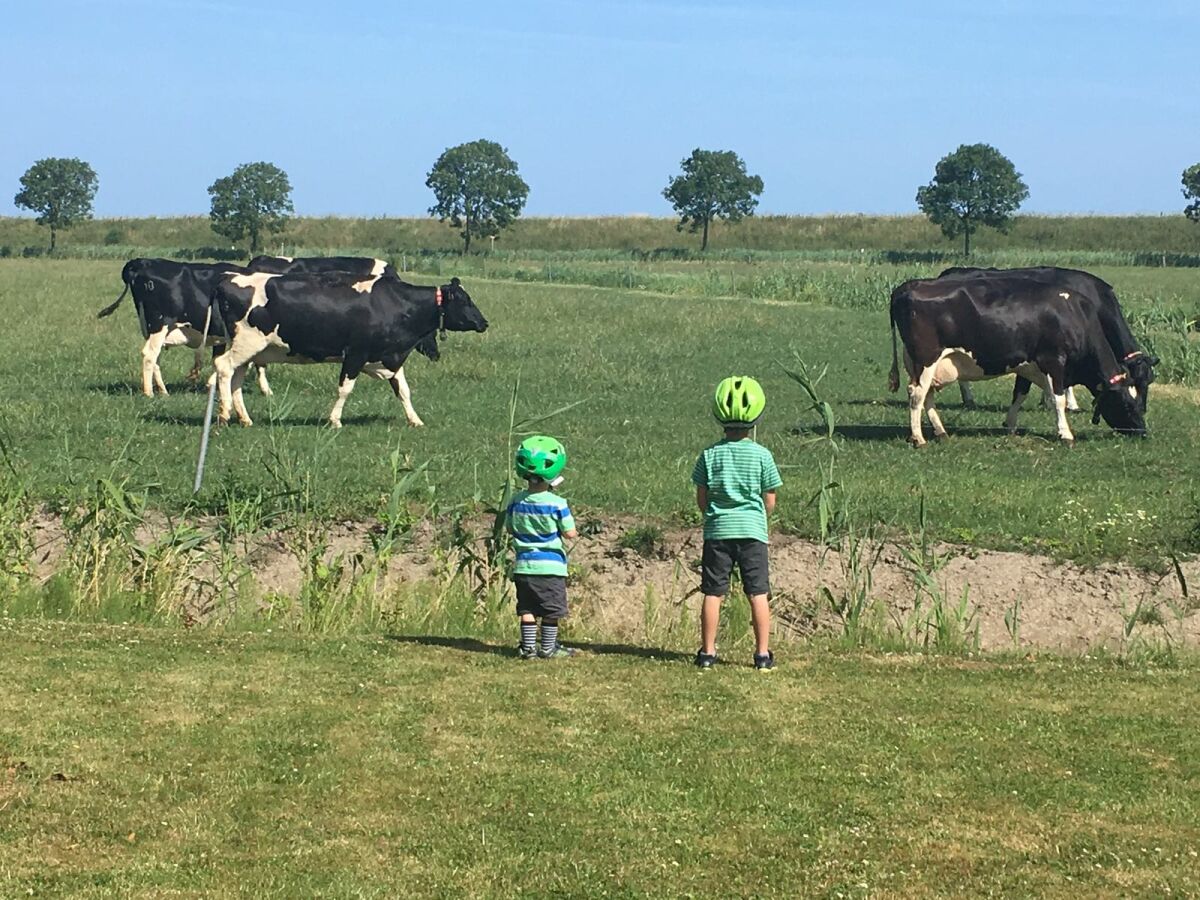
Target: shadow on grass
{"x": 197, "y": 419}
{"x": 474, "y": 645}
{"x": 129, "y": 388}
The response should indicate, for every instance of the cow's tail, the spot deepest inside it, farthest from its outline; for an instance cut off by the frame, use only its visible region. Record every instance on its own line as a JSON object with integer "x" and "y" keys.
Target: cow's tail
{"x": 127, "y": 277}
{"x": 111, "y": 308}
{"x": 894, "y": 375}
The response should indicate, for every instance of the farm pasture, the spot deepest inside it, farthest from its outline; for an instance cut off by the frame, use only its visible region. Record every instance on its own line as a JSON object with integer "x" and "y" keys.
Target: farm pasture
{"x": 643, "y": 363}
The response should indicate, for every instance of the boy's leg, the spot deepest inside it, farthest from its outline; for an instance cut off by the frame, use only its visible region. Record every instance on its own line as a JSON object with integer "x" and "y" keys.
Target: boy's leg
{"x": 528, "y": 635}
{"x": 552, "y": 603}
{"x": 716, "y": 565}
{"x": 549, "y": 636}
{"x": 760, "y": 616}
{"x": 754, "y": 565}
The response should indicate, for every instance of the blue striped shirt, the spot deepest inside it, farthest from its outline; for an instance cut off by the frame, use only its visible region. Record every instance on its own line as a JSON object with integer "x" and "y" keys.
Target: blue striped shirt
{"x": 537, "y": 522}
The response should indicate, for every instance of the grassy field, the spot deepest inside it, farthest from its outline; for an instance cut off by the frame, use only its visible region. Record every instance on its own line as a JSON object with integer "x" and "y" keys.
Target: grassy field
{"x": 642, "y": 364}
{"x": 1169, "y": 234}
{"x": 143, "y": 763}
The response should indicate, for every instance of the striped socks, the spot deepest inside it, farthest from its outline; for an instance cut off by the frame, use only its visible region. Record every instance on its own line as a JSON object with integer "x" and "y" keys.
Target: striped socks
{"x": 528, "y": 637}
{"x": 549, "y": 638}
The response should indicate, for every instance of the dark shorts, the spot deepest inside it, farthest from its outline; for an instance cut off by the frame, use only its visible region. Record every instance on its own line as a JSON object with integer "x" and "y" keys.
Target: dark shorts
{"x": 543, "y": 596}
{"x": 751, "y": 559}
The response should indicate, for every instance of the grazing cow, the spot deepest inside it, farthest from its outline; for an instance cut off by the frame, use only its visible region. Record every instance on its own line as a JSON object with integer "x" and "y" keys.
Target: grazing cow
{"x": 173, "y": 302}
{"x": 1139, "y": 364}
{"x": 368, "y": 325}
{"x": 975, "y": 328}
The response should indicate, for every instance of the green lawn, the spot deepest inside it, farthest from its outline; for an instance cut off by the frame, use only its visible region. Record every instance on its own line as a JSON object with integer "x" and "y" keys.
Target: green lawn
{"x": 144, "y": 763}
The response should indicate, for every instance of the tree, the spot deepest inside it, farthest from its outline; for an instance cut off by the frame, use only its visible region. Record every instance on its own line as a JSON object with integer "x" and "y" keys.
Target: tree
{"x": 714, "y": 184}
{"x": 975, "y": 185}
{"x": 1191, "y": 191}
{"x": 477, "y": 189}
{"x": 60, "y": 191}
{"x": 255, "y": 199}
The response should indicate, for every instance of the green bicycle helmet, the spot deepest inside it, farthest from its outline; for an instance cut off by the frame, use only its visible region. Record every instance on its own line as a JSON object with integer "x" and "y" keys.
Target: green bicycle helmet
{"x": 540, "y": 457}
{"x": 739, "y": 401}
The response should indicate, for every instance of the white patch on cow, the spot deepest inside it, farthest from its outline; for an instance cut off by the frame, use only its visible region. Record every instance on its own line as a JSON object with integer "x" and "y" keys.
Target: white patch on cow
{"x": 1060, "y": 413}
{"x": 1064, "y": 295}
{"x": 364, "y": 287}
{"x": 1132, "y": 392}
{"x": 257, "y": 281}
{"x": 344, "y": 389}
{"x": 377, "y": 269}
{"x": 287, "y": 258}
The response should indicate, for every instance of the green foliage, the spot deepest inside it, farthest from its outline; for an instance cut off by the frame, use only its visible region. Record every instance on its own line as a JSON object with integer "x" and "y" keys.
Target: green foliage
{"x": 1191, "y": 191}
{"x": 975, "y": 185}
{"x": 60, "y": 191}
{"x": 255, "y": 200}
{"x": 714, "y": 185}
{"x": 477, "y": 189}
{"x": 644, "y": 540}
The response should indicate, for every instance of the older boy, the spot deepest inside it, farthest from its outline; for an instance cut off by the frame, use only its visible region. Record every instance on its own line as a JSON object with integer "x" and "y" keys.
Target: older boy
{"x": 736, "y": 480}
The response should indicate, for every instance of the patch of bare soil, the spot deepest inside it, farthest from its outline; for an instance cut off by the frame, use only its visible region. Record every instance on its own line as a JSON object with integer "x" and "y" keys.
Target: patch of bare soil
{"x": 1016, "y": 599}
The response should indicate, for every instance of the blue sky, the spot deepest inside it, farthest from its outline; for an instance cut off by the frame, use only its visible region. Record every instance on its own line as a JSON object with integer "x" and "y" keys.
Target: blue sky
{"x": 840, "y": 107}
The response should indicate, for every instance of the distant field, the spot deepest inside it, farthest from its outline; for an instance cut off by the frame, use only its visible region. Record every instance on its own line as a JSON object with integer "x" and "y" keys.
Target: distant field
{"x": 643, "y": 363}
{"x": 1147, "y": 235}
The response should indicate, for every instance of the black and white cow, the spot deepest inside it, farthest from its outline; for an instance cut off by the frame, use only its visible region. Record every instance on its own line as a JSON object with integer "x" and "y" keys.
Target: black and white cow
{"x": 976, "y": 328}
{"x": 1139, "y": 364}
{"x": 173, "y": 303}
{"x": 367, "y": 325}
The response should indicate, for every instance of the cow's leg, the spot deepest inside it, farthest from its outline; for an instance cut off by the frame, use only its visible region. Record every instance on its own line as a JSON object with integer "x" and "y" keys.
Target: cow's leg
{"x": 239, "y": 401}
{"x": 918, "y": 389}
{"x": 968, "y": 396}
{"x": 263, "y": 385}
{"x": 350, "y": 369}
{"x": 197, "y": 365}
{"x": 1020, "y": 392}
{"x": 400, "y": 385}
{"x": 1072, "y": 403}
{"x": 1055, "y": 374}
{"x": 939, "y": 430}
{"x": 150, "y": 351}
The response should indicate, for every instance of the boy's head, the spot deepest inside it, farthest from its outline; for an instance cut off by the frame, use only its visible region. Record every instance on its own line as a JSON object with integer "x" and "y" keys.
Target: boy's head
{"x": 738, "y": 405}
{"x": 540, "y": 459}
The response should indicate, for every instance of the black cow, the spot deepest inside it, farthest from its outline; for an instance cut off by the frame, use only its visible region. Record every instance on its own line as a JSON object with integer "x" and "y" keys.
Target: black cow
{"x": 368, "y": 325}
{"x": 975, "y": 328}
{"x": 173, "y": 300}
{"x": 1137, "y": 362}
{"x": 364, "y": 266}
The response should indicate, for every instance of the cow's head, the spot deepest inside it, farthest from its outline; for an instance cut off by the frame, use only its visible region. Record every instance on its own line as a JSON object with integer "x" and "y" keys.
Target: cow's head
{"x": 459, "y": 313}
{"x": 1122, "y": 407}
{"x": 1140, "y": 367}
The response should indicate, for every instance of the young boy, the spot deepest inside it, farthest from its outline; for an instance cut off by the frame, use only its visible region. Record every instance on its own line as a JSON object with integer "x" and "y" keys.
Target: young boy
{"x": 736, "y": 480}
{"x": 538, "y": 520}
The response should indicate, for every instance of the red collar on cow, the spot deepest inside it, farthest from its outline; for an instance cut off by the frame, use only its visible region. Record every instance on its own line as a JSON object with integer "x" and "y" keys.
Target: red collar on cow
{"x": 437, "y": 298}
{"x": 1130, "y": 356}
{"x": 441, "y": 311}
{"x": 1118, "y": 378}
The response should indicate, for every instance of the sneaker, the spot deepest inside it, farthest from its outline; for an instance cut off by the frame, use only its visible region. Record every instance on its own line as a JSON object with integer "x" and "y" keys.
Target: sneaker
{"x": 705, "y": 660}
{"x": 559, "y": 652}
{"x": 527, "y": 653}
{"x": 764, "y": 662}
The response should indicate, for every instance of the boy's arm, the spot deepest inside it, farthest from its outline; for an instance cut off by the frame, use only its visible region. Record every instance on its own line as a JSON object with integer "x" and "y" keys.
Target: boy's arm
{"x": 769, "y": 501}
{"x": 702, "y": 497}
{"x": 566, "y": 524}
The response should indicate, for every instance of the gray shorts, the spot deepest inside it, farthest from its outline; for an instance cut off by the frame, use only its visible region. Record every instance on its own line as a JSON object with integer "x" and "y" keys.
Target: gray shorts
{"x": 750, "y": 556}
{"x": 542, "y": 596}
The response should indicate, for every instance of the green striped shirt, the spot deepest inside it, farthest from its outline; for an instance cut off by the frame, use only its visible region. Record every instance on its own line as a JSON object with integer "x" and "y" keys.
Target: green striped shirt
{"x": 536, "y": 522}
{"x": 737, "y": 474}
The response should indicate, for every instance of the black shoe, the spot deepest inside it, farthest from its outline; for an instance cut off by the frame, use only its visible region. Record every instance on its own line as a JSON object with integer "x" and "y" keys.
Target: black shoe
{"x": 764, "y": 662}
{"x": 705, "y": 660}
{"x": 559, "y": 652}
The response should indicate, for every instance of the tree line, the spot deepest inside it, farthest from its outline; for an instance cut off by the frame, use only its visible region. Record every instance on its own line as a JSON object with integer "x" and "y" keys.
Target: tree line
{"x": 478, "y": 189}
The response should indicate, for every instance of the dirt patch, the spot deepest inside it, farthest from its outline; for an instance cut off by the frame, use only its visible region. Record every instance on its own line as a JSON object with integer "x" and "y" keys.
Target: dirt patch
{"x": 1015, "y": 599}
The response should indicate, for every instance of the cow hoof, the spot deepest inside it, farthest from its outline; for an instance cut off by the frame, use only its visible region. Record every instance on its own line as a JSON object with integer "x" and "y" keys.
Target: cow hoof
{"x": 941, "y": 437}
{"x": 335, "y": 423}
{"x": 416, "y": 423}
{"x": 917, "y": 444}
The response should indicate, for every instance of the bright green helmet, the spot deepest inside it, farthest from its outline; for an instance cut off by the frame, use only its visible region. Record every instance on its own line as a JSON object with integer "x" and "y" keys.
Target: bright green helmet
{"x": 540, "y": 457}
{"x": 739, "y": 401}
